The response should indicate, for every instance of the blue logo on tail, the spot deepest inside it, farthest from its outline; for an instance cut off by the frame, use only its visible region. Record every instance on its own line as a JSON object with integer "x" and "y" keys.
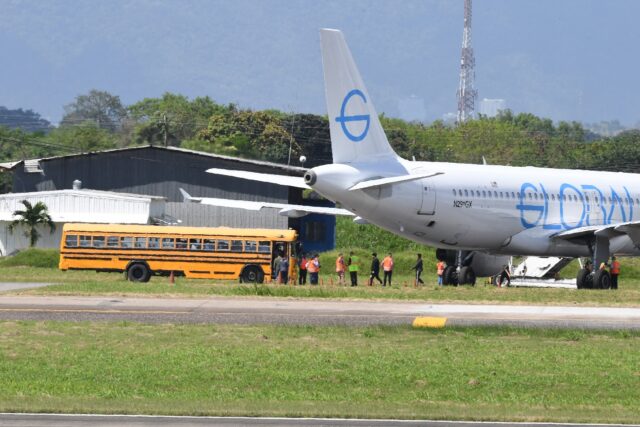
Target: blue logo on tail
{"x": 359, "y": 118}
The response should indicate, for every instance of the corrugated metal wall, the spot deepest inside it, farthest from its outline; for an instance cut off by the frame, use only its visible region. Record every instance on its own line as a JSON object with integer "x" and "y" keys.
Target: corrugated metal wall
{"x": 161, "y": 172}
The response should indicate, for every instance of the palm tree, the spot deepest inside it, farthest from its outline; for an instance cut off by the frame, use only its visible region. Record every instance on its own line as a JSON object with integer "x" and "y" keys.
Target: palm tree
{"x": 31, "y": 217}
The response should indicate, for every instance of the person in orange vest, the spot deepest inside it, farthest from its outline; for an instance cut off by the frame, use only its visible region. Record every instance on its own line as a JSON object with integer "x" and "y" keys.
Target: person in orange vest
{"x": 340, "y": 267}
{"x": 615, "y": 271}
{"x": 440, "y": 270}
{"x": 313, "y": 267}
{"x": 387, "y": 268}
{"x": 302, "y": 275}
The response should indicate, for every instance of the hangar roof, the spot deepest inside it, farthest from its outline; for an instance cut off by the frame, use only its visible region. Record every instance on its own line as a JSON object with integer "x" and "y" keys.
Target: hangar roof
{"x": 291, "y": 170}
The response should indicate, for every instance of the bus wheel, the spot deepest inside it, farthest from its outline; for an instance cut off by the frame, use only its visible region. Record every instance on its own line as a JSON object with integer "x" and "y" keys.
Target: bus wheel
{"x": 138, "y": 272}
{"x": 252, "y": 274}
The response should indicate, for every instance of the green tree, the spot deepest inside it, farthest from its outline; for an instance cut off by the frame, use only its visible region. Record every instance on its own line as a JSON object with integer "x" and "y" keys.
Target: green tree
{"x": 84, "y": 137}
{"x": 172, "y": 119}
{"x": 99, "y": 107}
{"x": 30, "y": 218}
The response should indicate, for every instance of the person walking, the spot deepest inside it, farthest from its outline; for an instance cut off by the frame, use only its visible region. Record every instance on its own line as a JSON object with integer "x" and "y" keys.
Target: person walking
{"x": 354, "y": 265}
{"x": 284, "y": 270}
{"x": 340, "y": 267}
{"x": 440, "y": 271}
{"x": 505, "y": 276}
{"x": 418, "y": 268}
{"x": 387, "y": 267}
{"x": 615, "y": 272}
{"x": 302, "y": 272}
{"x": 375, "y": 269}
{"x": 313, "y": 267}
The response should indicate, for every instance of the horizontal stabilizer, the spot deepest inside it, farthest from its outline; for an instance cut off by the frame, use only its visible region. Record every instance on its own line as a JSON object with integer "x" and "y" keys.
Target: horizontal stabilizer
{"x": 288, "y": 210}
{"x": 392, "y": 180}
{"x": 285, "y": 180}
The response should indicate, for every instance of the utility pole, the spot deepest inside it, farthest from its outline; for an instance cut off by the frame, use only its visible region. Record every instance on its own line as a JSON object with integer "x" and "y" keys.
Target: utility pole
{"x": 467, "y": 94}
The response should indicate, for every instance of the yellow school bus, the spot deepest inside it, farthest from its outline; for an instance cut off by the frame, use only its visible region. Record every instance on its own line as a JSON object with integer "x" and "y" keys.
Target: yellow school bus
{"x": 195, "y": 252}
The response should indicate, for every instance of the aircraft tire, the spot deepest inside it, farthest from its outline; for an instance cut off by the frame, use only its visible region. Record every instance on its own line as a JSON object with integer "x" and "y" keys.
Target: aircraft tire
{"x": 467, "y": 276}
{"x": 138, "y": 272}
{"x": 601, "y": 280}
{"x": 582, "y": 278}
{"x": 449, "y": 276}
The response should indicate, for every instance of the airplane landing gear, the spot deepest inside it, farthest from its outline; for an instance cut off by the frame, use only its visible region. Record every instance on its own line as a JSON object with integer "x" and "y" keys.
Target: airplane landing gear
{"x": 460, "y": 272}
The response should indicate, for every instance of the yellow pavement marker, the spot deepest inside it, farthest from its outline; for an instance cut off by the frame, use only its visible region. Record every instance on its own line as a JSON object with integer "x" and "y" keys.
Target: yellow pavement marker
{"x": 429, "y": 322}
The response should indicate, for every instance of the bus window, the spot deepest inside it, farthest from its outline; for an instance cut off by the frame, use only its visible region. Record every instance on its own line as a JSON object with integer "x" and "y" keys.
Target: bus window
{"x": 264, "y": 247}
{"x": 250, "y": 246}
{"x": 85, "y": 241}
{"x": 223, "y": 245}
{"x": 195, "y": 244}
{"x": 112, "y": 241}
{"x": 98, "y": 241}
{"x": 126, "y": 242}
{"x": 236, "y": 246}
{"x": 209, "y": 244}
{"x": 71, "y": 241}
{"x": 141, "y": 242}
{"x": 167, "y": 243}
{"x": 181, "y": 243}
{"x": 154, "y": 242}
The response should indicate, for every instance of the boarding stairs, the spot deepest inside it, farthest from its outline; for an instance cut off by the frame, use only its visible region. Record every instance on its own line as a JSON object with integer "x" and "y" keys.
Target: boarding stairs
{"x": 541, "y": 272}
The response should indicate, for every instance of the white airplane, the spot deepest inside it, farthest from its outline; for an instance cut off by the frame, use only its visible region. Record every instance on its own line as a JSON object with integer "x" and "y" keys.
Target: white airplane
{"x": 477, "y": 215}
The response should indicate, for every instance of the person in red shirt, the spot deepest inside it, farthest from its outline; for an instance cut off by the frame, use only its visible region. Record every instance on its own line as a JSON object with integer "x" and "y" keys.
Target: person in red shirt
{"x": 302, "y": 273}
{"x": 387, "y": 268}
{"x": 614, "y": 271}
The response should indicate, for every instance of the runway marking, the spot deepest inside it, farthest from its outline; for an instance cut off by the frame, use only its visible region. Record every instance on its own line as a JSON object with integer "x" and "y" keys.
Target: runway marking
{"x": 92, "y": 311}
{"x": 429, "y": 322}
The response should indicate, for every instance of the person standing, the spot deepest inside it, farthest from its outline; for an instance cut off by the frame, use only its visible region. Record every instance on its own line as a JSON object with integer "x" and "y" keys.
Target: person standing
{"x": 340, "y": 267}
{"x": 387, "y": 267}
{"x": 313, "y": 267}
{"x": 354, "y": 265}
{"x": 275, "y": 267}
{"x": 418, "y": 268}
{"x": 615, "y": 271}
{"x": 440, "y": 271}
{"x": 284, "y": 271}
{"x": 302, "y": 272}
{"x": 375, "y": 269}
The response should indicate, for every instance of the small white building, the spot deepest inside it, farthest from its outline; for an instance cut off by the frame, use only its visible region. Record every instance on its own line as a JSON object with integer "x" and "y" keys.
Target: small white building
{"x": 77, "y": 205}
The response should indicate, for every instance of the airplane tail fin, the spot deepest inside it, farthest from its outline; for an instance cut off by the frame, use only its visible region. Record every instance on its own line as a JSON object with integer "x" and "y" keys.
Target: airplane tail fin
{"x": 356, "y": 132}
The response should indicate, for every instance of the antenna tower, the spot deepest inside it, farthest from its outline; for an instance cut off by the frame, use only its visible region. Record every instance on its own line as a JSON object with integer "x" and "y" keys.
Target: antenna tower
{"x": 466, "y": 92}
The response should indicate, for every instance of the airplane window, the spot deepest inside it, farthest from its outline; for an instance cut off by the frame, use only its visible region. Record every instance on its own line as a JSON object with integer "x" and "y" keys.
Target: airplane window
{"x": 460, "y": 193}
{"x": 535, "y": 196}
{"x": 495, "y": 194}
{"x": 637, "y": 201}
{"x": 586, "y": 198}
{"x": 611, "y": 201}
{"x": 546, "y": 196}
{"x": 518, "y": 194}
{"x": 454, "y": 193}
{"x": 489, "y": 194}
{"x": 513, "y": 196}
{"x": 553, "y": 196}
{"x": 501, "y": 195}
{"x": 466, "y": 193}
{"x": 530, "y": 196}
{"x": 484, "y": 193}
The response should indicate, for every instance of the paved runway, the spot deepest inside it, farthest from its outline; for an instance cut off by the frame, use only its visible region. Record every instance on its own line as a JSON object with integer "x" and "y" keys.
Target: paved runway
{"x": 307, "y": 312}
{"x": 52, "y": 420}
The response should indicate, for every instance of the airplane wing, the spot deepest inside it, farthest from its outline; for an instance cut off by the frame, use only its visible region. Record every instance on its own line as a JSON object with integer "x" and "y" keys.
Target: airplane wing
{"x": 631, "y": 229}
{"x": 286, "y": 180}
{"x": 288, "y": 210}
{"x": 392, "y": 180}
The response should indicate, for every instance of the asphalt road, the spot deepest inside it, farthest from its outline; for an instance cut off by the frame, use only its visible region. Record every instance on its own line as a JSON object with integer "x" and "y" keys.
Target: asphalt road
{"x": 307, "y": 312}
{"x": 50, "y": 420}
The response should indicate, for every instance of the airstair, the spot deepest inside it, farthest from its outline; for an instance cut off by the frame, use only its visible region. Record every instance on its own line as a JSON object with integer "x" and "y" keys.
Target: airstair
{"x": 541, "y": 272}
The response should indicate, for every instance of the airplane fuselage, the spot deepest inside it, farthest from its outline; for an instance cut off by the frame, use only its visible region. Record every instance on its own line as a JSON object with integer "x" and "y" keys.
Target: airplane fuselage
{"x": 498, "y": 209}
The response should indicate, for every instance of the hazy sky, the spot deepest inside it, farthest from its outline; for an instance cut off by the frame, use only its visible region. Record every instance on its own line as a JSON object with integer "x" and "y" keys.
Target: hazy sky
{"x": 563, "y": 59}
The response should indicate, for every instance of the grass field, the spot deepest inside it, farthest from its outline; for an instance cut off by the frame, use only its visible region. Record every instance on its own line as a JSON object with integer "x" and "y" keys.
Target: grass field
{"x": 396, "y": 372}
